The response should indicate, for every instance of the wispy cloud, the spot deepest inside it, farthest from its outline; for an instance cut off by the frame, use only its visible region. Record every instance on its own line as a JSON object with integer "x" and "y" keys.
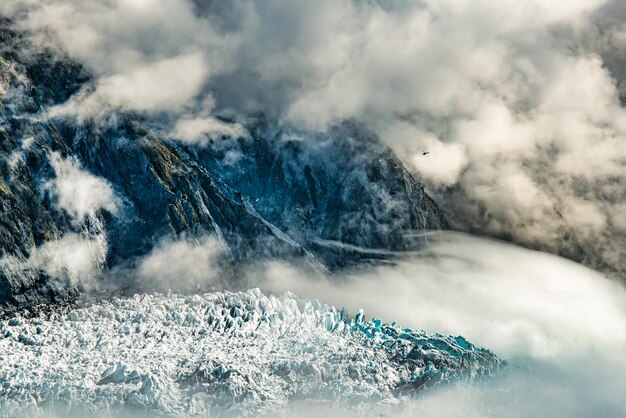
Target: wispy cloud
{"x": 79, "y": 192}
{"x": 182, "y": 265}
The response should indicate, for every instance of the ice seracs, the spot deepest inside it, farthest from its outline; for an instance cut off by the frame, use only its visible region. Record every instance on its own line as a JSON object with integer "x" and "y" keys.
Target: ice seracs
{"x": 218, "y": 353}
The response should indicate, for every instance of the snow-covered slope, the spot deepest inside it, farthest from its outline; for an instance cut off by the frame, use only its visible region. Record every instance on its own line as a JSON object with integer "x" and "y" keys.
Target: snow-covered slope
{"x": 217, "y": 353}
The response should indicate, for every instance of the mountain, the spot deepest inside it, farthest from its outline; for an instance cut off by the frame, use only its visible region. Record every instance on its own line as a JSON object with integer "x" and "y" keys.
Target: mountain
{"x": 80, "y": 196}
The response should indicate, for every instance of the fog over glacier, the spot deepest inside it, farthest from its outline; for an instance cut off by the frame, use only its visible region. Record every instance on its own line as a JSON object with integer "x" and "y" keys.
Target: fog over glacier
{"x": 510, "y": 112}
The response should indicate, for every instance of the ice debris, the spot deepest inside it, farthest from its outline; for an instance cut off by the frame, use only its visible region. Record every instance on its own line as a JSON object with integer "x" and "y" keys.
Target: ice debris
{"x": 218, "y": 353}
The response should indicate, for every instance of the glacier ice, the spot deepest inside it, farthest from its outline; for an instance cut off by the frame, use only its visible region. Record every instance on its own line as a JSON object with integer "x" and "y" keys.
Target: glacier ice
{"x": 218, "y": 353}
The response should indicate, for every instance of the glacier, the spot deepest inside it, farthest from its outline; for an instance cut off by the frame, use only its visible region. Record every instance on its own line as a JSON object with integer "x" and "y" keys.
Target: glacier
{"x": 218, "y": 354}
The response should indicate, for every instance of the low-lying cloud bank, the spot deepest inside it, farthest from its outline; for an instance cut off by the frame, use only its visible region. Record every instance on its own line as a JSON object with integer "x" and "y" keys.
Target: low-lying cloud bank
{"x": 523, "y": 304}
{"x": 516, "y": 301}
{"x": 509, "y": 111}
{"x": 564, "y": 324}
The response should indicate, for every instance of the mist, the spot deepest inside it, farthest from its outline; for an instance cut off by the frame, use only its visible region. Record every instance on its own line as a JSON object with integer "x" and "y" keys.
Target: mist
{"x": 514, "y": 300}
{"x": 183, "y": 265}
{"x": 73, "y": 259}
{"x": 561, "y": 325}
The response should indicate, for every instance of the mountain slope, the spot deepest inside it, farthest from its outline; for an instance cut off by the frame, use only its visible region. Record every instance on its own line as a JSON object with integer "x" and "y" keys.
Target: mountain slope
{"x": 83, "y": 195}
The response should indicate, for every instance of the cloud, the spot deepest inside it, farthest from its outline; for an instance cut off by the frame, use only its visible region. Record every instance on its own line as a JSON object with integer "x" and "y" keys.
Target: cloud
{"x": 438, "y": 162}
{"x": 559, "y": 323}
{"x": 166, "y": 85}
{"x": 518, "y": 103}
{"x": 146, "y": 56}
{"x": 200, "y": 130}
{"x": 515, "y": 301}
{"x": 181, "y": 265}
{"x": 79, "y": 192}
{"x": 73, "y": 260}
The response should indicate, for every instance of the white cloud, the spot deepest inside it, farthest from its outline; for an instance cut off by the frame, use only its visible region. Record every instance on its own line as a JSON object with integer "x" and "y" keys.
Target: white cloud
{"x": 515, "y": 301}
{"x": 73, "y": 260}
{"x": 166, "y": 85}
{"x": 503, "y": 93}
{"x": 79, "y": 192}
{"x": 181, "y": 265}
{"x": 436, "y": 161}
{"x": 199, "y": 130}
{"x": 561, "y": 322}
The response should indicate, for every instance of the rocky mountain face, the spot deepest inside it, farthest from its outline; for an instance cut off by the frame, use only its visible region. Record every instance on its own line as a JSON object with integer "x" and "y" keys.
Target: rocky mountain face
{"x": 336, "y": 198}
